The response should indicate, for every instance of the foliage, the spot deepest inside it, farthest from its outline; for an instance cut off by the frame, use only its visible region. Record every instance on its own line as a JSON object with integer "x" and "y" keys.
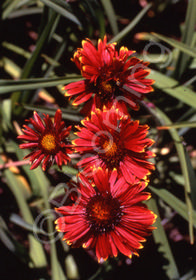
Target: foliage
{"x": 38, "y": 41}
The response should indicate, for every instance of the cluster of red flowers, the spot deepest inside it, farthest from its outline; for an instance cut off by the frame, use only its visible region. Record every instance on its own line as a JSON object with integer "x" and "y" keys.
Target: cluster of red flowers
{"x": 114, "y": 166}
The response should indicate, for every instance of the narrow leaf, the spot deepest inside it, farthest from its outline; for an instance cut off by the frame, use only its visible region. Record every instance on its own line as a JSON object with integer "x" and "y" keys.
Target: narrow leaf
{"x": 177, "y": 125}
{"x": 172, "y": 87}
{"x": 111, "y": 15}
{"x": 59, "y": 9}
{"x": 36, "y": 176}
{"x": 17, "y": 220}
{"x": 16, "y": 49}
{"x": 192, "y": 177}
{"x": 187, "y": 37}
{"x": 21, "y": 97}
{"x": 68, "y": 116}
{"x": 29, "y": 84}
{"x": 131, "y": 25}
{"x": 181, "y": 154}
{"x": 175, "y": 203}
{"x": 161, "y": 240}
{"x": 36, "y": 250}
{"x": 10, "y": 8}
{"x": 176, "y": 44}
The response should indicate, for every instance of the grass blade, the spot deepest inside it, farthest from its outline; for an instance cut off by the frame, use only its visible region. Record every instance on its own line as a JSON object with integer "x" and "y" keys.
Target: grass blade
{"x": 57, "y": 273}
{"x": 172, "y": 87}
{"x": 192, "y": 178}
{"x": 62, "y": 11}
{"x": 177, "y": 125}
{"x": 40, "y": 44}
{"x": 131, "y": 25}
{"x": 16, "y": 49}
{"x": 7, "y": 86}
{"x": 161, "y": 240}
{"x": 175, "y": 203}
{"x": 176, "y": 44}
{"x": 50, "y": 111}
{"x": 36, "y": 250}
{"x": 10, "y": 8}
{"x": 17, "y": 220}
{"x": 11, "y": 67}
{"x": 35, "y": 176}
{"x": 25, "y": 12}
{"x": 182, "y": 158}
{"x": 110, "y": 15}
{"x": 17, "y": 96}
{"x": 187, "y": 38}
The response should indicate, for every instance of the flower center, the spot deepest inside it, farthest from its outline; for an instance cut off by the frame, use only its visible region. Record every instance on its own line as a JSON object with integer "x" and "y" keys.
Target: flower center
{"x": 48, "y": 142}
{"x": 111, "y": 152}
{"x": 110, "y": 148}
{"x": 103, "y": 213}
{"x": 106, "y": 87}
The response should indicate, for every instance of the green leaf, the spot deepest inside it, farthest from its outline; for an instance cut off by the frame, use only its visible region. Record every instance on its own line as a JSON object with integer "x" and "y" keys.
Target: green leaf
{"x": 68, "y": 170}
{"x": 57, "y": 56}
{"x": 11, "y": 67}
{"x": 10, "y": 8}
{"x": 187, "y": 37}
{"x": 172, "y": 87}
{"x": 7, "y": 86}
{"x": 71, "y": 267}
{"x": 176, "y": 44}
{"x": 22, "y": 97}
{"x": 192, "y": 177}
{"x": 43, "y": 183}
{"x": 39, "y": 46}
{"x": 131, "y": 25}
{"x": 16, "y": 49}
{"x": 6, "y": 3}
{"x": 189, "y": 275}
{"x": 4, "y": 236}
{"x": 190, "y": 20}
{"x": 17, "y": 220}
{"x": 178, "y": 125}
{"x": 161, "y": 240}
{"x": 8, "y": 147}
{"x": 36, "y": 176}
{"x": 36, "y": 250}
{"x": 62, "y": 11}
{"x": 175, "y": 203}
{"x": 63, "y": 4}
{"x": 12, "y": 244}
{"x": 25, "y": 12}
{"x": 182, "y": 158}
{"x": 68, "y": 116}
{"x": 101, "y": 22}
{"x": 6, "y": 113}
{"x": 107, "y": 4}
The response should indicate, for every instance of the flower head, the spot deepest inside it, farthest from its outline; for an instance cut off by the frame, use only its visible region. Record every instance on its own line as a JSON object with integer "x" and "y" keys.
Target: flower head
{"x": 110, "y": 139}
{"x": 109, "y": 217}
{"x": 47, "y": 139}
{"x": 110, "y": 76}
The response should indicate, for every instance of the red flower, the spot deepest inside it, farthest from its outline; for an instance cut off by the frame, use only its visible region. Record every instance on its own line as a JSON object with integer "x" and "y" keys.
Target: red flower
{"x": 111, "y": 139}
{"x": 48, "y": 141}
{"x": 109, "y": 216}
{"x": 110, "y": 76}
